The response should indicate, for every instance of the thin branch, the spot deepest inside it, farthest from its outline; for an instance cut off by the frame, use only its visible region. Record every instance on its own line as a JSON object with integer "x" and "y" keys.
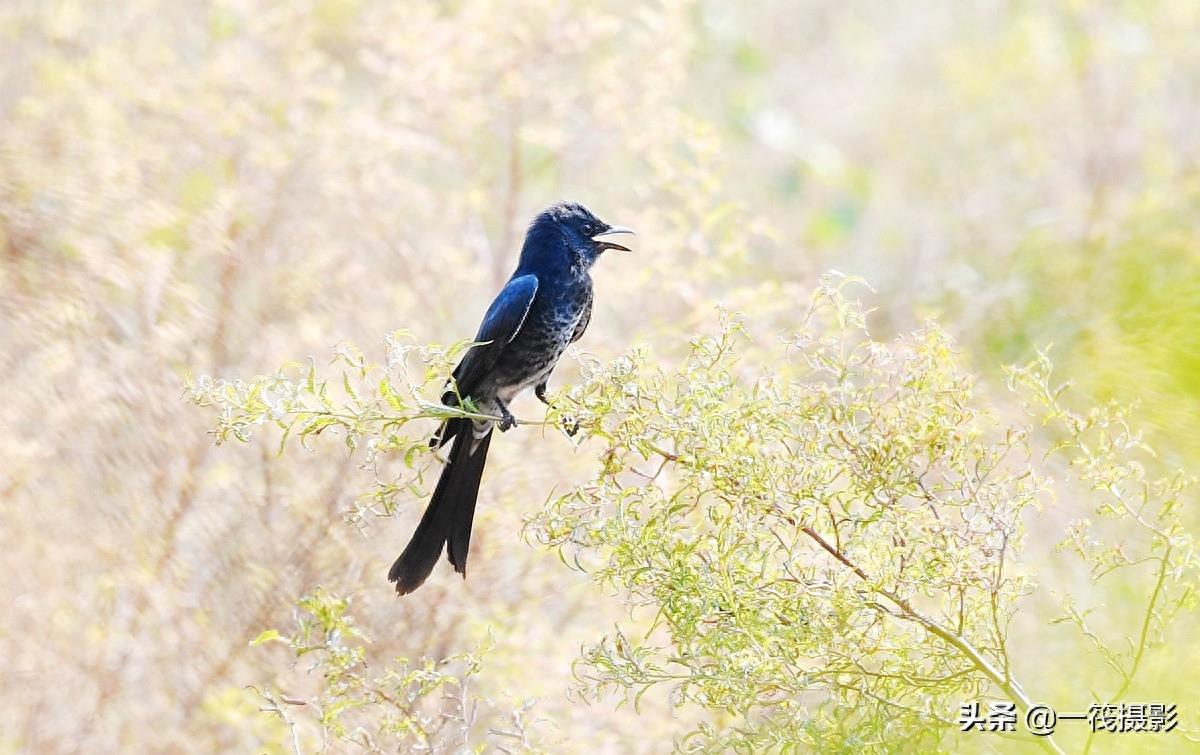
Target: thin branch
{"x": 1008, "y": 685}
{"x": 273, "y": 706}
{"x": 1145, "y": 633}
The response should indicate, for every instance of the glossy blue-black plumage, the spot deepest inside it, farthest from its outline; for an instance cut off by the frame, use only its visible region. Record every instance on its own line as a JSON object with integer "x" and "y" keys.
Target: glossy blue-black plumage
{"x": 546, "y": 304}
{"x": 500, "y": 325}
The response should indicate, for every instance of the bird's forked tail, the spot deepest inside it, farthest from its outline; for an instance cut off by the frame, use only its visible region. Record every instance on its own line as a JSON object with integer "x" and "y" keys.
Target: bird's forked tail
{"x": 447, "y": 518}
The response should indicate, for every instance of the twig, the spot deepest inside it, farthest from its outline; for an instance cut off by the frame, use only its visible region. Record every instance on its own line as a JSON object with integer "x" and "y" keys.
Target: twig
{"x": 442, "y": 412}
{"x": 1141, "y": 648}
{"x": 1008, "y": 685}
{"x": 277, "y": 709}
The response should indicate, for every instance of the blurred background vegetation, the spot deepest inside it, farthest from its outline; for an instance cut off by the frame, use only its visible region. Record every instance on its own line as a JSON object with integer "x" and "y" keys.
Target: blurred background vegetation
{"x": 219, "y": 187}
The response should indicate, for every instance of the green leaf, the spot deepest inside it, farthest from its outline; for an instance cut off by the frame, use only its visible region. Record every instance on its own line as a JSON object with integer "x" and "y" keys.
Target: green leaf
{"x": 268, "y": 635}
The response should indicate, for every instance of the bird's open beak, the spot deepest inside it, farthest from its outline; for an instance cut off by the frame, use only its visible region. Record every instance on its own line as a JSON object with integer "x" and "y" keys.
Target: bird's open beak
{"x": 613, "y": 230}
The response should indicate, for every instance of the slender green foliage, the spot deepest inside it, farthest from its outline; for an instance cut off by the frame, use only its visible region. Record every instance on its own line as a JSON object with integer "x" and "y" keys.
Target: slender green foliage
{"x": 819, "y": 538}
{"x": 403, "y": 706}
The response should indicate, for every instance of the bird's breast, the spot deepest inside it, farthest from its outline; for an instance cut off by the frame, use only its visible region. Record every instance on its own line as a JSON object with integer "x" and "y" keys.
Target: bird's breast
{"x": 545, "y": 334}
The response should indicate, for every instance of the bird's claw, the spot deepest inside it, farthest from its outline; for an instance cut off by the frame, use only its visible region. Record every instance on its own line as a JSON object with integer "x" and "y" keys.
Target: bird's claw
{"x": 570, "y": 426}
{"x": 507, "y": 421}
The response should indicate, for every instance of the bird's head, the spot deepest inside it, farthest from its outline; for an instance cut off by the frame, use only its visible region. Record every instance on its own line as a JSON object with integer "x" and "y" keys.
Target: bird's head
{"x": 569, "y": 236}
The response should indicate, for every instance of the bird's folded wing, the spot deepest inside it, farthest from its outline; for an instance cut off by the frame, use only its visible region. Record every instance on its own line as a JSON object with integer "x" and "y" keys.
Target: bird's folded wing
{"x": 500, "y": 326}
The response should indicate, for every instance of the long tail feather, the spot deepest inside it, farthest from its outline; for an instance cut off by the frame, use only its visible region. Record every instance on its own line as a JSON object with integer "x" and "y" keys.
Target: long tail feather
{"x": 448, "y": 517}
{"x": 459, "y": 539}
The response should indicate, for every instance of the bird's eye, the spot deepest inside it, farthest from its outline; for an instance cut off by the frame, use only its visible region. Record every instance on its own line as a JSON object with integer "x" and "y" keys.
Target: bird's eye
{"x": 587, "y": 228}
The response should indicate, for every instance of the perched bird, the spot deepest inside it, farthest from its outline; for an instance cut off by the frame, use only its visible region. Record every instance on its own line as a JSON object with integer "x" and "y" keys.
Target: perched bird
{"x": 546, "y": 305}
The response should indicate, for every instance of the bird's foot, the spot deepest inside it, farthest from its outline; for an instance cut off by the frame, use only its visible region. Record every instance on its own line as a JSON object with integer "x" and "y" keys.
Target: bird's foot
{"x": 570, "y": 426}
{"x": 507, "y": 420}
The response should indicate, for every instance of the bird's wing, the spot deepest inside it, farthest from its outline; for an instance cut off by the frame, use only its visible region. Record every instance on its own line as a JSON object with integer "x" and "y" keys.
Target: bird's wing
{"x": 584, "y": 319}
{"x": 500, "y": 326}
